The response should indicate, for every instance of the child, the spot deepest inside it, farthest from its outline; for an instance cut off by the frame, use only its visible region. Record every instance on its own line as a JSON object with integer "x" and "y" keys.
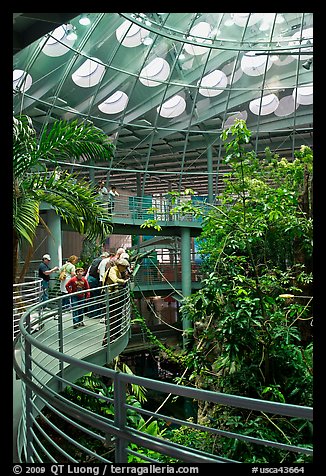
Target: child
{"x": 78, "y": 283}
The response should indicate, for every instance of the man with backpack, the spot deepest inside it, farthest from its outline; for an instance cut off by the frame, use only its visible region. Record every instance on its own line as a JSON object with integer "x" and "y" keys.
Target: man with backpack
{"x": 93, "y": 279}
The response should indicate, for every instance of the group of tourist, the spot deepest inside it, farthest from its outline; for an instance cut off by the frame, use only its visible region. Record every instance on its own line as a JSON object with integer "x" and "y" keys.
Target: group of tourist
{"x": 107, "y": 269}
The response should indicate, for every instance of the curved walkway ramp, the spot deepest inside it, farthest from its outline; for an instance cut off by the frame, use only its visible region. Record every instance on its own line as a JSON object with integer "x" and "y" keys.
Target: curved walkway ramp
{"x": 49, "y": 355}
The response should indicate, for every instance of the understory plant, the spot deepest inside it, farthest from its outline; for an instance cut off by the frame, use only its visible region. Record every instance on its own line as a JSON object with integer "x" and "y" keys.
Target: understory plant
{"x": 252, "y": 318}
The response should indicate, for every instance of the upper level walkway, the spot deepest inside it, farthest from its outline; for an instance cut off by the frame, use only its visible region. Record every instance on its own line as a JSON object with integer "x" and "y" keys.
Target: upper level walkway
{"x": 130, "y": 212}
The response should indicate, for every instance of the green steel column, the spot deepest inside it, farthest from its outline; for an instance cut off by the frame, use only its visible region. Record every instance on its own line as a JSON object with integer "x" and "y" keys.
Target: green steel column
{"x": 185, "y": 273}
{"x": 92, "y": 174}
{"x": 210, "y": 174}
{"x": 138, "y": 184}
{"x": 54, "y": 240}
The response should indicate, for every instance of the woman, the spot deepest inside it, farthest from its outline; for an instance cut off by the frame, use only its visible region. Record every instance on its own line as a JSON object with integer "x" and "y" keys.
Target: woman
{"x": 70, "y": 270}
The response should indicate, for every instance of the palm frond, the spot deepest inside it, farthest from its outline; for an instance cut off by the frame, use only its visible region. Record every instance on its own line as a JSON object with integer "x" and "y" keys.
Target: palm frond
{"x": 26, "y": 218}
{"x": 24, "y": 144}
{"x": 75, "y": 203}
{"x": 73, "y": 200}
{"x": 74, "y": 141}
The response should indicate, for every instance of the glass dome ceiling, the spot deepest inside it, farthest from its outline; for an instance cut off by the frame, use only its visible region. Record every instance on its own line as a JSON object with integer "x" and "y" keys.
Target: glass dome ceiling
{"x": 164, "y": 85}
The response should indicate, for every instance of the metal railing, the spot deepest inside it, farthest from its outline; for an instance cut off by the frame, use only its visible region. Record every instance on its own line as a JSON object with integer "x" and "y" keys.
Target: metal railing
{"x": 55, "y": 429}
{"x": 148, "y": 273}
{"x": 151, "y": 207}
{"x": 25, "y": 295}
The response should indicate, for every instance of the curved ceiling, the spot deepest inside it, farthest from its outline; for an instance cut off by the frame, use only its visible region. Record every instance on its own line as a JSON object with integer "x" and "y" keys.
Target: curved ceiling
{"x": 164, "y": 85}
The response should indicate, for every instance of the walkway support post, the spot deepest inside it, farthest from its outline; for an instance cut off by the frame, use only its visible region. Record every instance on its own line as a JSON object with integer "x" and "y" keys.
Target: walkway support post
{"x": 54, "y": 240}
{"x": 185, "y": 276}
{"x": 210, "y": 174}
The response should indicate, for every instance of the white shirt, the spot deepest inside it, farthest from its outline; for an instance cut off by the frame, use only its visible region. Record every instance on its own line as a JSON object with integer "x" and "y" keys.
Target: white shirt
{"x": 101, "y": 268}
{"x": 112, "y": 195}
{"x": 103, "y": 192}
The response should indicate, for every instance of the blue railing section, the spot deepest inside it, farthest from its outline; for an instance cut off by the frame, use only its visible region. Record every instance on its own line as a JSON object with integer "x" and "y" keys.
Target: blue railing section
{"x": 159, "y": 208}
{"x": 50, "y": 354}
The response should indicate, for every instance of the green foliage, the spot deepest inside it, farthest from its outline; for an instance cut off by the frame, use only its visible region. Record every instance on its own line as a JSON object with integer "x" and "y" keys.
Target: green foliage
{"x": 73, "y": 199}
{"x": 256, "y": 244}
{"x": 151, "y": 223}
{"x": 140, "y": 320}
{"x": 90, "y": 251}
{"x": 103, "y": 405}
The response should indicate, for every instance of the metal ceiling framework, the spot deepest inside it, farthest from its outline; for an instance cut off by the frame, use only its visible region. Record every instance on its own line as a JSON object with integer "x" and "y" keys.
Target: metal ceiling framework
{"x": 256, "y": 57}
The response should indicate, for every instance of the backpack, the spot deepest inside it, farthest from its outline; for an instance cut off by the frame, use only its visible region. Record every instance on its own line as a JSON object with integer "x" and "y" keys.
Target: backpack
{"x": 93, "y": 268}
{"x": 63, "y": 274}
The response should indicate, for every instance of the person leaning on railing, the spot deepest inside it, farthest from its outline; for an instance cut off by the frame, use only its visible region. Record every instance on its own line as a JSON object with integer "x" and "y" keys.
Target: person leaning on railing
{"x": 113, "y": 277}
{"x": 111, "y": 198}
{"x": 93, "y": 278}
{"x": 44, "y": 272}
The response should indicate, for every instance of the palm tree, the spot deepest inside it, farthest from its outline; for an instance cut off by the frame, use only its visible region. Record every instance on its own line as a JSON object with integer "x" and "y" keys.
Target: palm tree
{"x": 75, "y": 201}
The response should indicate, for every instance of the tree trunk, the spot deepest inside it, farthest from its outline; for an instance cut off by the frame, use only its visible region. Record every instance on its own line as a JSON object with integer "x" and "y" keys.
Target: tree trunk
{"x": 15, "y": 257}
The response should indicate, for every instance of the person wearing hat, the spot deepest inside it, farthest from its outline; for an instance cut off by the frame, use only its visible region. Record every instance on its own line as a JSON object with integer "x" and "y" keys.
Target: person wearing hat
{"x": 113, "y": 276}
{"x": 44, "y": 272}
{"x": 78, "y": 284}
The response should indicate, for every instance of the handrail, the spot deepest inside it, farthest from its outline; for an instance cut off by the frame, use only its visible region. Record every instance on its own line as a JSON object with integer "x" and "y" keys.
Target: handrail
{"x": 159, "y": 208}
{"x": 56, "y": 355}
{"x": 25, "y": 295}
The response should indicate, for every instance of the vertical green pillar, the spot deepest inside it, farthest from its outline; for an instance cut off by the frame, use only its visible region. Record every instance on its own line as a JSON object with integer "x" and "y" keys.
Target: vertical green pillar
{"x": 185, "y": 274}
{"x": 210, "y": 174}
{"x": 54, "y": 240}
{"x": 138, "y": 184}
{"x": 91, "y": 172}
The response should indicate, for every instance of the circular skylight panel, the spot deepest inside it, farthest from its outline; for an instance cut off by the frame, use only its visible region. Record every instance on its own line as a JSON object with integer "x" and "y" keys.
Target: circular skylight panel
{"x": 156, "y": 71}
{"x": 253, "y": 65}
{"x": 231, "y": 119}
{"x": 115, "y": 103}
{"x": 241, "y": 19}
{"x": 265, "y": 105}
{"x": 89, "y": 73}
{"x": 215, "y": 79}
{"x": 201, "y": 32}
{"x": 130, "y": 35}
{"x": 21, "y": 80}
{"x": 173, "y": 107}
{"x": 304, "y": 95}
{"x": 232, "y": 76}
{"x": 53, "y": 46}
{"x": 307, "y": 38}
{"x": 285, "y": 107}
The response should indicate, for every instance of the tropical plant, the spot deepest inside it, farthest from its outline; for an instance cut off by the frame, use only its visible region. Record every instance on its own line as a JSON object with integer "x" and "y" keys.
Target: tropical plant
{"x": 74, "y": 200}
{"x": 251, "y": 319}
{"x": 252, "y": 333}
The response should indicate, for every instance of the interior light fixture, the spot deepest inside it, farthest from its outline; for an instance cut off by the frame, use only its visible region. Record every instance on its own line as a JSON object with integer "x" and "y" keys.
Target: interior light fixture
{"x": 307, "y": 64}
{"x": 71, "y": 33}
{"x": 84, "y": 20}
